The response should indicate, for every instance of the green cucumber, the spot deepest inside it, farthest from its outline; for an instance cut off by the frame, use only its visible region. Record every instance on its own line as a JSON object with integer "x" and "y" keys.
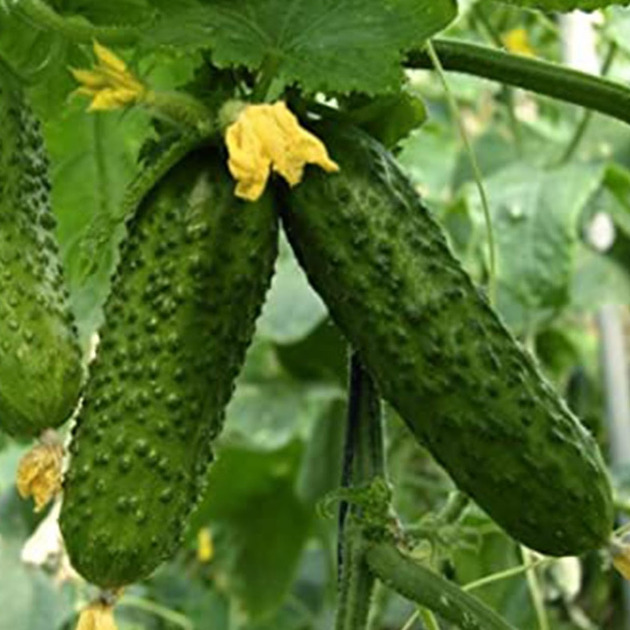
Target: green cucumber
{"x": 440, "y": 354}
{"x": 192, "y": 279}
{"x": 40, "y": 360}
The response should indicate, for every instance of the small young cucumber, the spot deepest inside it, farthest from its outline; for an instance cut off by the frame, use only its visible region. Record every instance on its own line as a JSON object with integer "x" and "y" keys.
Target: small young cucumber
{"x": 40, "y": 360}
{"x": 440, "y": 354}
{"x": 193, "y": 275}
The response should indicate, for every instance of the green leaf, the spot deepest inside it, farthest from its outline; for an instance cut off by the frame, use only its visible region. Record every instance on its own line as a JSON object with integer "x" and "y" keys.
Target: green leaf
{"x": 322, "y": 356}
{"x": 270, "y": 415}
{"x": 93, "y": 159}
{"x": 29, "y": 599}
{"x": 259, "y": 525}
{"x": 535, "y": 214}
{"x": 599, "y": 280}
{"x": 324, "y": 45}
{"x": 390, "y": 118}
{"x": 112, "y": 12}
{"x": 292, "y": 309}
{"x": 564, "y": 5}
{"x": 322, "y": 462}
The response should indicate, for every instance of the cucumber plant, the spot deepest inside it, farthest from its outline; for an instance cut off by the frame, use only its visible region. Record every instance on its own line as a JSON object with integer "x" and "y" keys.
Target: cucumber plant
{"x": 202, "y": 222}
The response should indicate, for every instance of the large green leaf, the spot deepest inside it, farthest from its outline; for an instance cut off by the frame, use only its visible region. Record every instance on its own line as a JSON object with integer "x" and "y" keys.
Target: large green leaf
{"x": 565, "y": 5}
{"x": 93, "y": 159}
{"x": 535, "y": 216}
{"x": 270, "y": 415}
{"x": 293, "y": 309}
{"x": 328, "y": 45}
{"x": 29, "y": 599}
{"x": 258, "y": 523}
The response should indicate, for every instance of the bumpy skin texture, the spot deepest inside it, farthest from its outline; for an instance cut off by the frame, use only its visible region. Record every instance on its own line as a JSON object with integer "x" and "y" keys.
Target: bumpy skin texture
{"x": 40, "y": 361}
{"x": 192, "y": 280}
{"x": 440, "y": 354}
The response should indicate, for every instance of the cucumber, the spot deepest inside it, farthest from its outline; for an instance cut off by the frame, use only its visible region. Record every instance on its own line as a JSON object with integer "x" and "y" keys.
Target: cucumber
{"x": 440, "y": 354}
{"x": 193, "y": 275}
{"x": 40, "y": 360}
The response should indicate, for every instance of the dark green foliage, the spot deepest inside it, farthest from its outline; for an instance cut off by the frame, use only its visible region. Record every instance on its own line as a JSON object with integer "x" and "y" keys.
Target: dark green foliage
{"x": 194, "y": 272}
{"x": 40, "y": 363}
{"x": 440, "y": 354}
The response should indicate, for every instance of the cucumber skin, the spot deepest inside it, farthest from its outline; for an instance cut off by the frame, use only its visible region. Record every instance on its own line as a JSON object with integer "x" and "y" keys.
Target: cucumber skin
{"x": 440, "y": 354}
{"x": 40, "y": 359}
{"x": 192, "y": 280}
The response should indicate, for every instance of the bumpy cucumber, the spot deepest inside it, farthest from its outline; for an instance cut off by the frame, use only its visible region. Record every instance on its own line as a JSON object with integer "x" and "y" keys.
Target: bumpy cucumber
{"x": 440, "y": 353}
{"x": 40, "y": 361}
{"x": 192, "y": 279}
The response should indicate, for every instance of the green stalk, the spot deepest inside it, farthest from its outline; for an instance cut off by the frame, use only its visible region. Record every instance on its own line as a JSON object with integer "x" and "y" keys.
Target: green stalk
{"x": 171, "y": 616}
{"x": 587, "y": 115}
{"x": 543, "y": 77}
{"x": 181, "y": 109}
{"x": 430, "y": 590}
{"x": 42, "y": 16}
{"x": 504, "y": 575}
{"x": 535, "y": 592}
{"x": 428, "y": 619}
{"x": 437, "y": 64}
{"x": 454, "y": 508}
{"x": 363, "y": 463}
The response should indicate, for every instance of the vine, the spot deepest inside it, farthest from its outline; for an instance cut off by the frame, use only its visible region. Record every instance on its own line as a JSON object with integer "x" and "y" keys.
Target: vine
{"x": 543, "y": 77}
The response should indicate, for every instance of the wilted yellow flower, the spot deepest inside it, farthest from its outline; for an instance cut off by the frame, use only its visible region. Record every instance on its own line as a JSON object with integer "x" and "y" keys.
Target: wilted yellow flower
{"x": 109, "y": 84}
{"x": 621, "y": 557}
{"x": 269, "y": 137}
{"x": 205, "y": 545}
{"x": 97, "y": 616}
{"x": 517, "y": 41}
{"x": 39, "y": 473}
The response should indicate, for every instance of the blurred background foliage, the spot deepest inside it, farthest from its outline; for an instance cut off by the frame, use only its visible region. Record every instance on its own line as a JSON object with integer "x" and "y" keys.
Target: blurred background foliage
{"x": 260, "y": 554}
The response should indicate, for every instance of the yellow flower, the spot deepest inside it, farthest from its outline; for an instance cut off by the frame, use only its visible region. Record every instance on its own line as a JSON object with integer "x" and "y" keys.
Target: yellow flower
{"x": 109, "y": 84}
{"x": 39, "y": 473}
{"x": 205, "y": 545}
{"x": 620, "y": 552}
{"x": 97, "y": 616}
{"x": 269, "y": 137}
{"x": 517, "y": 41}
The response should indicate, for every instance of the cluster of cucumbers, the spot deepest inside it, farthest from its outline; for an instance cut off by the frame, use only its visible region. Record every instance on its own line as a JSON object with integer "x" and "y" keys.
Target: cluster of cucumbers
{"x": 192, "y": 279}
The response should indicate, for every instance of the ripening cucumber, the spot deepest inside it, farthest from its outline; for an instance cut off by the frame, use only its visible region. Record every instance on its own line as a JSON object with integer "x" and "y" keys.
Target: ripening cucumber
{"x": 440, "y": 354}
{"x": 40, "y": 360}
{"x": 192, "y": 279}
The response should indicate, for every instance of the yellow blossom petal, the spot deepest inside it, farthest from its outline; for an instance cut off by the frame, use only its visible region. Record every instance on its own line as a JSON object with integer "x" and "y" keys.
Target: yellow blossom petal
{"x": 265, "y": 137}
{"x": 91, "y": 79}
{"x": 517, "y": 41}
{"x": 39, "y": 473}
{"x": 110, "y": 84}
{"x": 621, "y": 558}
{"x": 111, "y": 99}
{"x": 108, "y": 59}
{"x": 97, "y": 616}
{"x": 205, "y": 545}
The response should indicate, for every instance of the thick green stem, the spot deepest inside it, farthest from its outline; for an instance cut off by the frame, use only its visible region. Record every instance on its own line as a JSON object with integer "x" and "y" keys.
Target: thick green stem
{"x": 181, "y": 109}
{"x": 430, "y": 590}
{"x": 542, "y": 77}
{"x": 41, "y": 15}
{"x": 363, "y": 463}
